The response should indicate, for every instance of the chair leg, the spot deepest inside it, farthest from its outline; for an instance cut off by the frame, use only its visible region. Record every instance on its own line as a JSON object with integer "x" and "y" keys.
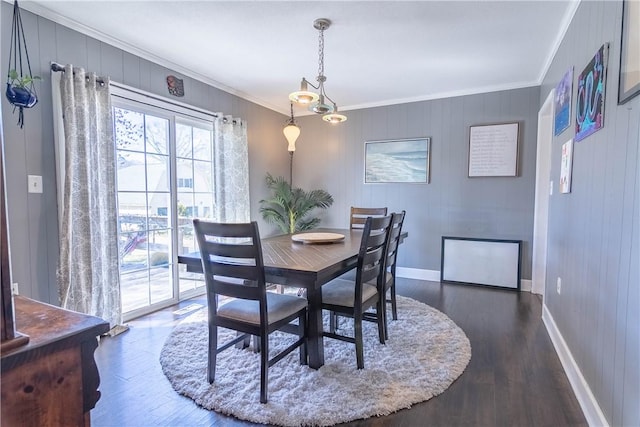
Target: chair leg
{"x": 302, "y": 333}
{"x": 357, "y": 326}
{"x": 381, "y": 316}
{"x": 245, "y": 343}
{"x": 213, "y": 352}
{"x": 384, "y": 317}
{"x": 333, "y": 319}
{"x": 256, "y": 344}
{"x": 394, "y": 304}
{"x": 264, "y": 366}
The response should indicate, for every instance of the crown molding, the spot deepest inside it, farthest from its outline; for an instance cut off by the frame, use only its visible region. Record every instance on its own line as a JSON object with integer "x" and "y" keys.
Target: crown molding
{"x": 46, "y": 13}
{"x": 564, "y": 27}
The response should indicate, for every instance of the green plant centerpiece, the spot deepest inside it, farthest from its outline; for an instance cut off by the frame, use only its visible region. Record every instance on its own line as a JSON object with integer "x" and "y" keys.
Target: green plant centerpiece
{"x": 289, "y": 208}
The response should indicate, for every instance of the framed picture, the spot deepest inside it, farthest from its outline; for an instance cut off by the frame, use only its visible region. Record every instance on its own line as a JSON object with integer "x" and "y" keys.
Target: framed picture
{"x": 565, "y": 167}
{"x": 591, "y": 91}
{"x": 397, "y": 160}
{"x": 629, "y": 82}
{"x": 562, "y": 102}
{"x": 493, "y": 150}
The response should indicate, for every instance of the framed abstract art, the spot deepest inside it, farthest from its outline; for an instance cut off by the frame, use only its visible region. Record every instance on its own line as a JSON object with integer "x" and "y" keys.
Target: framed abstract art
{"x": 592, "y": 82}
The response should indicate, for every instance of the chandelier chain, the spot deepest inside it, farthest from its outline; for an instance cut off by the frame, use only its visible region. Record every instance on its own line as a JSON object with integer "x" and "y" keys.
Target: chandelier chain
{"x": 321, "y": 56}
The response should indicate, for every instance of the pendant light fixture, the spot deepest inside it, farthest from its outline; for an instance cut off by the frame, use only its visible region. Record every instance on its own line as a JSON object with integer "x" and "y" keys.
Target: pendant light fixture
{"x": 291, "y": 132}
{"x": 318, "y": 102}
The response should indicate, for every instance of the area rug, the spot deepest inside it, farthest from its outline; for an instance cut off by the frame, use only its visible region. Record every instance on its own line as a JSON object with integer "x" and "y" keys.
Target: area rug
{"x": 425, "y": 353}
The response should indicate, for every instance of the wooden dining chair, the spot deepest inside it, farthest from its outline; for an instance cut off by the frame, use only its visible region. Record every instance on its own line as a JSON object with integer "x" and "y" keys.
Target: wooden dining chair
{"x": 353, "y": 297}
{"x": 391, "y": 256}
{"x": 358, "y": 216}
{"x": 233, "y": 266}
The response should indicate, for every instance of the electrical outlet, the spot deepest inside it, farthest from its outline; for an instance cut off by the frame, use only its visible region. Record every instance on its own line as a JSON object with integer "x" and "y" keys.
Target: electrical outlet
{"x": 14, "y": 289}
{"x": 34, "y": 183}
{"x": 559, "y": 285}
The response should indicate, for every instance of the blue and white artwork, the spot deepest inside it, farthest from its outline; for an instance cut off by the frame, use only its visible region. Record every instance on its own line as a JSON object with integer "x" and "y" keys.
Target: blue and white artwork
{"x": 562, "y": 102}
{"x": 402, "y": 160}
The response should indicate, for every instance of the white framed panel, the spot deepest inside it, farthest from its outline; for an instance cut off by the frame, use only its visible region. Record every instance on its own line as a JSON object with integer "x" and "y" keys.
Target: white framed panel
{"x": 487, "y": 262}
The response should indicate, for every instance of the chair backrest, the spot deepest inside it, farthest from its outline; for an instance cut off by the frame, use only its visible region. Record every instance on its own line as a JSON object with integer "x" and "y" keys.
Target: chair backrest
{"x": 397, "y": 219}
{"x": 231, "y": 261}
{"x": 371, "y": 254}
{"x": 358, "y": 216}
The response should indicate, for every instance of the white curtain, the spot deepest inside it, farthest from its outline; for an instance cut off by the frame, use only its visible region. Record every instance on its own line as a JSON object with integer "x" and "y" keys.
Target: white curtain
{"x": 231, "y": 164}
{"x": 88, "y": 277}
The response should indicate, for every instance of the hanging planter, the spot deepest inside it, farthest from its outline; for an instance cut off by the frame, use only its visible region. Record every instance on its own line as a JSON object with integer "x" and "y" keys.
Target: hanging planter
{"x": 21, "y": 91}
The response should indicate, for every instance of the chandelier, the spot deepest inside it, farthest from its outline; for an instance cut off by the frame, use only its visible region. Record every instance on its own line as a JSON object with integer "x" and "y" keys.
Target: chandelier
{"x": 318, "y": 102}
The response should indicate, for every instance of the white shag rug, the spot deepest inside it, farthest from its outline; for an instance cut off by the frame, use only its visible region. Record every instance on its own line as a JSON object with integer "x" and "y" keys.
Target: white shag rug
{"x": 425, "y": 353}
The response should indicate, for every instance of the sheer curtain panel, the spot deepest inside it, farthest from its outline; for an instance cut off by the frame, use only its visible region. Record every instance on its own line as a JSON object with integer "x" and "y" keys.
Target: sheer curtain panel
{"x": 231, "y": 164}
{"x": 88, "y": 276}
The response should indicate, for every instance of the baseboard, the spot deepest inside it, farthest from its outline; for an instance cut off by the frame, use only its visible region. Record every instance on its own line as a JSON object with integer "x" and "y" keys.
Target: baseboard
{"x": 418, "y": 273}
{"x": 434, "y": 276}
{"x": 588, "y": 403}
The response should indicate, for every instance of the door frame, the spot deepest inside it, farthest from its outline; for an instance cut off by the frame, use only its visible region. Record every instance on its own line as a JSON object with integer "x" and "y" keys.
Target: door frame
{"x": 543, "y": 192}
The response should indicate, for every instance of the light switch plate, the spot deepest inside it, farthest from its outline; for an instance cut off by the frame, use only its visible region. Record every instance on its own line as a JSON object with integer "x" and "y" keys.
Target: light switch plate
{"x": 35, "y": 183}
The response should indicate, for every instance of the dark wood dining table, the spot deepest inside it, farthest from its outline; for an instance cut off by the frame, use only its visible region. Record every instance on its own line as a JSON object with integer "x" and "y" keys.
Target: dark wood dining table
{"x": 307, "y": 266}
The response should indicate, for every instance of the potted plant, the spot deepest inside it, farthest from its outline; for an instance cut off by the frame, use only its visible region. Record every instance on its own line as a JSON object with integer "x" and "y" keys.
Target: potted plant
{"x": 288, "y": 207}
{"x": 19, "y": 92}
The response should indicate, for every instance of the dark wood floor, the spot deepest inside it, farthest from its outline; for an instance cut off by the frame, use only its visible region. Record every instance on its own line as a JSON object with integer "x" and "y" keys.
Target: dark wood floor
{"x": 514, "y": 377}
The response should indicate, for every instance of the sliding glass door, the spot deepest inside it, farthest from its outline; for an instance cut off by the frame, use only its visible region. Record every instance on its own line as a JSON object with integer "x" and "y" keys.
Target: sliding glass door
{"x": 164, "y": 180}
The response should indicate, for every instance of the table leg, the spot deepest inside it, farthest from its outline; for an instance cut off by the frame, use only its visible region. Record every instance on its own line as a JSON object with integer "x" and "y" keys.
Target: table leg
{"x": 315, "y": 341}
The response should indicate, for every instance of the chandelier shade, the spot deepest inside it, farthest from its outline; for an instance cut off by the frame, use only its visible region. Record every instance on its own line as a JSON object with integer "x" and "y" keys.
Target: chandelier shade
{"x": 303, "y": 96}
{"x": 291, "y": 132}
{"x": 320, "y": 102}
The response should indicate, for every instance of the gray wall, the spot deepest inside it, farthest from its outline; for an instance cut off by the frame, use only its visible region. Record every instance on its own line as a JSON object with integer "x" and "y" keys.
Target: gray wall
{"x": 594, "y": 232}
{"x": 452, "y": 204}
{"x": 33, "y": 221}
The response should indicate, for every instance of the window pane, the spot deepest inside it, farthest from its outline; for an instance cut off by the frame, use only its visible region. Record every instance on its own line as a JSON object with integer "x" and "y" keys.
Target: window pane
{"x": 133, "y": 251}
{"x": 202, "y": 142}
{"x": 131, "y": 171}
{"x": 159, "y": 245}
{"x": 161, "y": 288}
{"x": 132, "y": 211}
{"x": 204, "y": 201}
{"x": 184, "y": 174}
{"x": 129, "y": 129}
{"x": 159, "y": 210}
{"x": 157, "y": 131}
{"x": 186, "y": 239}
{"x": 202, "y": 176}
{"x": 185, "y": 208}
{"x": 134, "y": 286}
{"x": 157, "y": 172}
{"x": 184, "y": 145}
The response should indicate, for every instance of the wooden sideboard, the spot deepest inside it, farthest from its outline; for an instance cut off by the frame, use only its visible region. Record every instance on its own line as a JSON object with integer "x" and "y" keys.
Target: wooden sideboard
{"x": 52, "y": 380}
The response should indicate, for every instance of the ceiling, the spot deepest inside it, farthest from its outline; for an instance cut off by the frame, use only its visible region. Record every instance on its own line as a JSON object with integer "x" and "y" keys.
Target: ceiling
{"x": 376, "y": 52}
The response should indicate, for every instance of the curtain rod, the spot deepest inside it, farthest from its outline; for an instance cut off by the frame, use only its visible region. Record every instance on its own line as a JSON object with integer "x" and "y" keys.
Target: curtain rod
{"x": 59, "y": 68}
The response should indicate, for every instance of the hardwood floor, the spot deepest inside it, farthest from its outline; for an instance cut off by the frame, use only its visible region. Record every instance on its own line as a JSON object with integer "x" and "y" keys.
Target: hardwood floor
{"x": 514, "y": 377}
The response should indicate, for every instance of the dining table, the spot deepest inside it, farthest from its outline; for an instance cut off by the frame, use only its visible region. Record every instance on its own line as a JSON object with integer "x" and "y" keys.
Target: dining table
{"x": 304, "y": 265}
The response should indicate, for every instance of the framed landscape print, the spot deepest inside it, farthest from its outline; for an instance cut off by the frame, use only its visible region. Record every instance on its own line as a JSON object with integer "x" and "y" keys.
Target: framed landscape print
{"x": 591, "y": 91}
{"x": 397, "y": 160}
{"x": 629, "y": 82}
